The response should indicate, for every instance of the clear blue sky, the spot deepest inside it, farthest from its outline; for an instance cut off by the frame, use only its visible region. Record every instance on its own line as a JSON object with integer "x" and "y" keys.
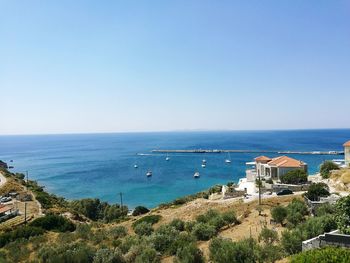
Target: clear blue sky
{"x": 109, "y": 66}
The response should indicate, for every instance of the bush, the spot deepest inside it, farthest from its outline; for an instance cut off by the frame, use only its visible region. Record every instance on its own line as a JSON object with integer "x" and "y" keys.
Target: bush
{"x": 182, "y": 240}
{"x": 317, "y": 190}
{"x": 148, "y": 255}
{"x": 178, "y": 224}
{"x": 189, "y": 254}
{"x": 229, "y": 217}
{"x": 342, "y": 214}
{"x": 72, "y": 253}
{"x": 164, "y": 238}
{"x": 268, "y": 236}
{"x": 140, "y": 210}
{"x": 279, "y": 213}
{"x": 204, "y": 231}
{"x": 324, "y": 209}
{"x": 151, "y": 219}
{"x": 118, "y": 232}
{"x": 327, "y": 167}
{"x": 294, "y": 177}
{"x": 324, "y": 255}
{"x": 223, "y": 251}
{"x": 106, "y": 255}
{"x": 54, "y": 223}
{"x": 20, "y": 232}
{"x": 95, "y": 210}
{"x": 143, "y": 229}
{"x": 296, "y": 212}
{"x": 291, "y": 241}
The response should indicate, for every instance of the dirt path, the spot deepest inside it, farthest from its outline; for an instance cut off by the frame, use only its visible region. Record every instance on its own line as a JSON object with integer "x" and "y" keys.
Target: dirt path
{"x": 3, "y": 179}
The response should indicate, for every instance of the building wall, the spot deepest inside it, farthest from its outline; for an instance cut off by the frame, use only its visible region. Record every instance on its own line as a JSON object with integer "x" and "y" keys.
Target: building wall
{"x": 347, "y": 155}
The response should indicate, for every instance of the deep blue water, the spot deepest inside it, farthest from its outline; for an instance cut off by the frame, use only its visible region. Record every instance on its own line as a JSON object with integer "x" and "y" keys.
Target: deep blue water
{"x": 101, "y": 165}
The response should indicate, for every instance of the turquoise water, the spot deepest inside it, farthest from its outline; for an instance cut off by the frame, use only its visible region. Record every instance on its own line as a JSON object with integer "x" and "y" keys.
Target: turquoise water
{"x": 102, "y": 165}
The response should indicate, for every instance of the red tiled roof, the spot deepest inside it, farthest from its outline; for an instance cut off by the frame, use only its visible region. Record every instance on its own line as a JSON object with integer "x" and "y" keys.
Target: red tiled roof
{"x": 262, "y": 158}
{"x": 5, "y": 209}
{"x": 347, "y": 144}
{"x": 285, "y": 161}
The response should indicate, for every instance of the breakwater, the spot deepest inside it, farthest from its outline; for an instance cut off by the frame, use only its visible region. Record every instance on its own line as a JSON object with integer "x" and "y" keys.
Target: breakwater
{"x": 248, "y": 151}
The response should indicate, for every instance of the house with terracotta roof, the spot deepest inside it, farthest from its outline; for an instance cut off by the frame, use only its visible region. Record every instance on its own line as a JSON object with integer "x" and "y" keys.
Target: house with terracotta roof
{"x": 276, "y": 167}
{"x": 347, "y": 153}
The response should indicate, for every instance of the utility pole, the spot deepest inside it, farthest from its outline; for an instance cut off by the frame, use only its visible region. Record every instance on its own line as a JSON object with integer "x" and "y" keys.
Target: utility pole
{"x": 259, "y": 190}
{"x": 27, "y": 176}
{"x": 121, "y": 200}
{"x": 25, "y": 213}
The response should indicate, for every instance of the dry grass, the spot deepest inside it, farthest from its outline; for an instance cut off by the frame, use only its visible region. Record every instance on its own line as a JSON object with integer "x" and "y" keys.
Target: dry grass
{"x": 11, "y": 186}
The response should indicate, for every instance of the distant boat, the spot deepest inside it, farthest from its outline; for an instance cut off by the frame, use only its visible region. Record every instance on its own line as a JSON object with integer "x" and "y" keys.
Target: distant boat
{"x": 196, "y": 175}
{"x": 149, "y": 174}
{"x": 228, "y": 160}
{"x": 167, "y": 158}
{"x": 136, "y": 166}
{"x": 204, "y": 161}
{"x": 203, "y": 165}
{"x": 11, "y": 161}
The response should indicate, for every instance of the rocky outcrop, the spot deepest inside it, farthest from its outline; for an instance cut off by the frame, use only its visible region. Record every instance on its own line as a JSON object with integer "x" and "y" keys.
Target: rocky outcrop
{"x": 3, "y": 165}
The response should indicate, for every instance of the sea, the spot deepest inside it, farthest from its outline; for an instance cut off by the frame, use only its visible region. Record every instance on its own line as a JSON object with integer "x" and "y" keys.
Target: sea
{"x": 102, "y": 165}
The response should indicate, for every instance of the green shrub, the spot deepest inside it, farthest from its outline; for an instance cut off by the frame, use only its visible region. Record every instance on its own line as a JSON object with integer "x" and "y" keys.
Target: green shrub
{"x": 204, "y": 231}
{"x": 140, "y": 210}
{"x": 182, "y": 240}
{"x": 327, "y": 167}
{"x": 106, "y": 255}
{"x": 317, "y": 190}
{"x": 54, "y": 223}
{"x": 118, "y": 232}
{"x": 342, "y": 214}
{"x": 72, "y": 253}
{"x": 143, "y": 229}
{"x": 296, "y": 212}
{"x": 279, "y": 214}
{"x": 229, "y": 217}
{"x": 148, "y": 255}
{"x": 325, "y": 209}
{"x": 178, "y": 224}
{"x": 268, "y": 236}
{"x": 18, "y": 233}
{"x": 294, "y": 177}
{"x": 97, "y": 210}
{"x": 151, "y": 219}
{"x": 189, "y": 254}
{"x": 163, "y": 239}
{"x": 223, "y": 251}
{"x": 324, "y": 255}
{"x": 291, "y": 241}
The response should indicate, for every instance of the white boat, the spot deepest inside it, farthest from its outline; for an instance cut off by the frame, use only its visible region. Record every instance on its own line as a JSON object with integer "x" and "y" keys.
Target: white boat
{"x": 203, "y": 165}
{"x": 196, "y": 175}
{"x": 204, "y": 161}
{"x": 228, "y": 160}
{"x": 136, "y": 166}
{"x": 149, "y": 174}
{"x": 167, "y": 158}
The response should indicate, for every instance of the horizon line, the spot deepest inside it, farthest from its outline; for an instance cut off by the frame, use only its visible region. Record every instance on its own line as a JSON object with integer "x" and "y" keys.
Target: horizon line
{"x": 169, "y": 131}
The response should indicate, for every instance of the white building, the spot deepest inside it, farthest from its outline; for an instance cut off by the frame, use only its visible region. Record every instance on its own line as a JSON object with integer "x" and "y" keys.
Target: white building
{"x": 273, "y": 168}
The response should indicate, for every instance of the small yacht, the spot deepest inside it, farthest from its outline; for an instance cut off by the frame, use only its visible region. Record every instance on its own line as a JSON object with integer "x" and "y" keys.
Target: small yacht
{"x": 149, "y": 174}
{"x": 203, "y": 165}
{"x": 136, "y": 166}
{"x": 204, "y": 161}
{"x": 228, "y": 160}
{"x": 167, "y": 158}
{"x": 196, "y": 175}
